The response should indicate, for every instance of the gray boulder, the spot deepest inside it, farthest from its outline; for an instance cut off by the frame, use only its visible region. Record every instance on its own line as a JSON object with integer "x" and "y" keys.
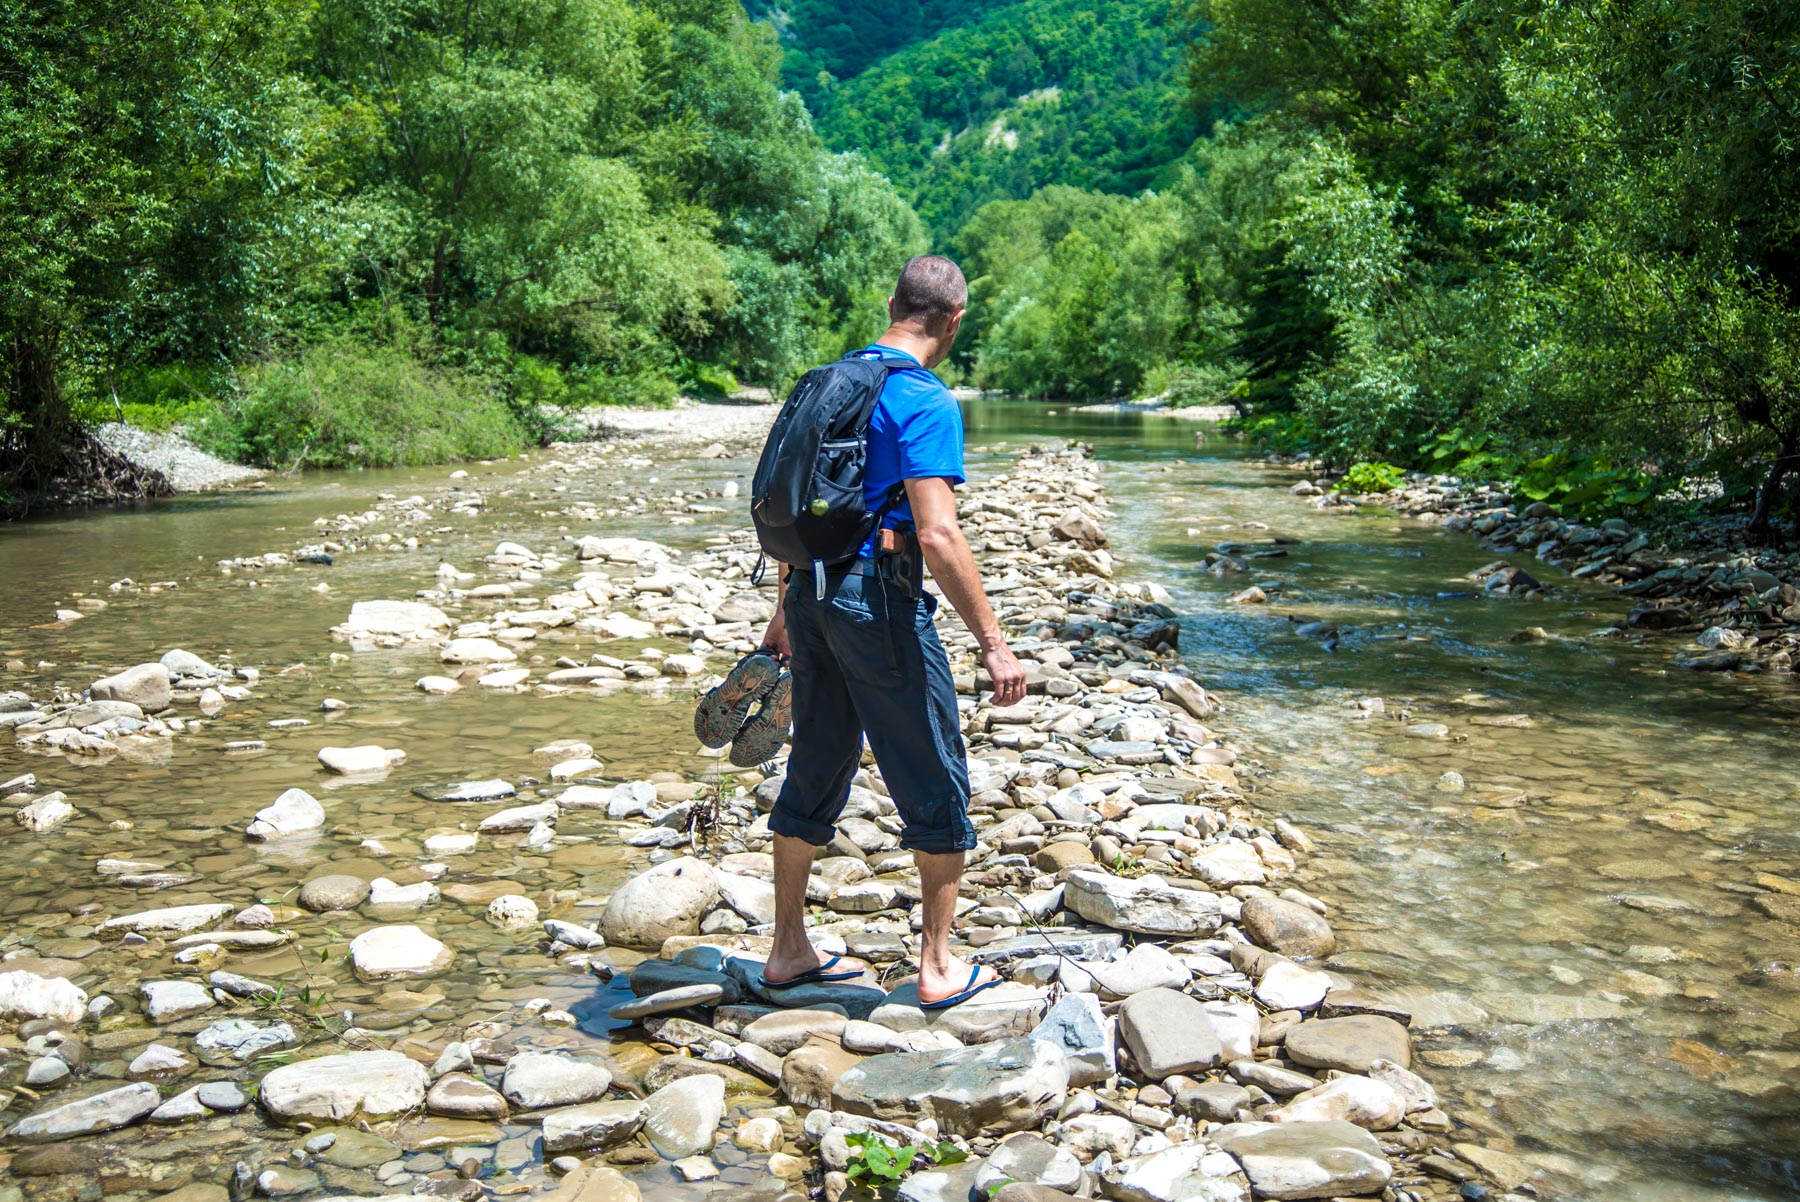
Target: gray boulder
{"x": 668, "y": 900}
{"x": 1282, "y": 926}
{"x": 1307, "y": 1160}
{"x": 345, "y": 1087}
{"x": 1168, "y": 1033}
{"x": 146, "y": 686}
{"x": 1350, "y": 1044}
{"x": 105, "y": 1111}
{"x": 535, "y": 1080}
{"x": 984, "y": 1090}
{"x": 1148, "y": 905}
{"x": 682, "y": 1118}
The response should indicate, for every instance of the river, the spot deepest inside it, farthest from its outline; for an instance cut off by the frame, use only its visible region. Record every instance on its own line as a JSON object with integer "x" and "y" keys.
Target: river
{"x": 1572, "y": 928}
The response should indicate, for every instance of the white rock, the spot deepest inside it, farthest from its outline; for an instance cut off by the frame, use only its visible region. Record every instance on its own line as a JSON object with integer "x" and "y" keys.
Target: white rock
{"x": 397, "y": 951}
{"x": 365, "y": 758}
{"x": 168, "y": 1001}
{"x": 475, "y": 651}
{"x": 1184, "y": 1173}
{"x": 1287, "y": 986}
{"x": 170, "y": 920}
{"x": 383, "y": 892}
{"x": 27, "y": 995}
{"x": 398, "y": 619}
{"x": 1148, "y": 905}
{"x": 346, "y": 1087}
{"x": 295, "y": 810}
{"x": 1368, "y": 1103}
{"x": 450, "y": 843}
{"x": 682, "y": 1118}
{"x": 1228, "y": 863}
{"x": 107, "y": 1111}
{"x": 535, "y": 1080}
{"x": 519, "y": 818}
{"x": 572, "y": 769}
{"x": 512, "y": 911}
{"x": 438, "y": 685}
{"x": 46, "y": 813}
{"x": 668, "y": 900}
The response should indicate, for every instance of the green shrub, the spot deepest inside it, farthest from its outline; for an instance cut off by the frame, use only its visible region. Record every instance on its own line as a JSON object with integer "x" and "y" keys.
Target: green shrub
{"x": 343, "y": 404}
{"x": 1283, "y": 433}
{"x": 1372, "y": 477}
{"x": 877, "y": 1160}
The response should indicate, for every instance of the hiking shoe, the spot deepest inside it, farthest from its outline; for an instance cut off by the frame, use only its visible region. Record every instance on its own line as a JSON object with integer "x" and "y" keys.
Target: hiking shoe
{"x": 721, "y": 712}
{"x": 763, "y": 735}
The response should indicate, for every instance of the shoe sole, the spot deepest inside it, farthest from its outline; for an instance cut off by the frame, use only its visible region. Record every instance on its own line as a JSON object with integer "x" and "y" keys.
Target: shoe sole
{"x": 763, "y": 735}
{"x": 721, "y": 713}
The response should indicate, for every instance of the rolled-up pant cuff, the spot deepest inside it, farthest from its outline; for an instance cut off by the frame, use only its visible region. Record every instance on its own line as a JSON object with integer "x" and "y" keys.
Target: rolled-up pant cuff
{"x": 794, "y": 827}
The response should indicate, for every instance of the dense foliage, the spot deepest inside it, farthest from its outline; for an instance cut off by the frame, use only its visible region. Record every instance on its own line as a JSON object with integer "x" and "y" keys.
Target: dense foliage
{"x": 1533, "y": 239}
{"x": 1007, "y": 98}
{"x": 496, "y": 204}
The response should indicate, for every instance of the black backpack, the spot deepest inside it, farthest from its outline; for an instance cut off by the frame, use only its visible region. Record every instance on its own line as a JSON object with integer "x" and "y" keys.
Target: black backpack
{"x": 807, "y": 495}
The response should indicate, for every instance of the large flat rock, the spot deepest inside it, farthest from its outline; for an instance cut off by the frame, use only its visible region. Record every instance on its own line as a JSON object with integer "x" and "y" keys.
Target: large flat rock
{"x": 345, "y": 1087}
{"x": 1148, "y": 905}
{"x": 985, "y": 1090}
{"x": 1307, "y": 1160}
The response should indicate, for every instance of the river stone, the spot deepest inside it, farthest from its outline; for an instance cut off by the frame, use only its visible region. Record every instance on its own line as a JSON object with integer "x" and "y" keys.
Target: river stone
{"x": 27, "y": 995}
{"x": 1148, "y": 905}
{"x": 668, "y": 900}
{"x": 1146, "y": 966}
{"x": 475, "y": 651}
{"x": 1349, "y": 1044}
{"x": 512, "y": 911}
{"x": 1212, "y": 1101}
{"x": 785, "y": 1030}
{"x": 397, "y": 951}
{"x": 171, "y": 1001}
{"x": 984, "y": 1090}
{"x": 223, "y": 1096}
{"x": 1228, "y": 864}
{"x": 242, "y": 1038}
{"x": 295, "y": 810}
{"x": 145, "y": 686}
{"x": 460, "y": 1096}
{"x": 171, "y": 920}
{"x": 1080, "y": 1033}
{"x": 344, "y": 1087}
{"x": 1368, "y": 1103}
{"x": 1030, "y": 1158}
{"x": 1184, "y": 1173}
{"x": 535, "y": 1080}
{"x": 1282, "y": 926}
{"x": 184, "y": 1107}
{"x": 400, "y": 619}
{"x": 107, "y": 1110}
{"x": 955, "y": 1183}
{"x": 1168, "y": 1033}
{"x": 585, "y": 938}
{"x": 1306, "y": 1160}
{"x": 1287, "y": 986}
{"x": 338, "y": 891}
{"x": 46, "y": 813}
{"x": 667, "y": 1000}
{"x": 682, "y": 1118}
{"x": 348, "y": 761}
{"x": 752, "y": 897}
{"x": 595, "y": 1125}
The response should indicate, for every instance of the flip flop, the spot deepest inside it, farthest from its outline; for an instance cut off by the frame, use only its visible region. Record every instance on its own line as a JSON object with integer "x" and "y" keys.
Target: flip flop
{"x": 721, "y": 712}
{"x": 762, "y": 736}
{"x": 821, "y": 975}
{"x": 969, "y": 991}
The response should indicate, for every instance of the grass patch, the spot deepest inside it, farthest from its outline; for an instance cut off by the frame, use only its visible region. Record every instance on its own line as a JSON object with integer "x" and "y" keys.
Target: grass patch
{"x": 347, "y": 404}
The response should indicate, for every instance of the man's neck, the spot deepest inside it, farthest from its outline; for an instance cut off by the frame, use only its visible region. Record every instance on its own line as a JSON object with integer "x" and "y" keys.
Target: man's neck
{"x": 906, "y": 338}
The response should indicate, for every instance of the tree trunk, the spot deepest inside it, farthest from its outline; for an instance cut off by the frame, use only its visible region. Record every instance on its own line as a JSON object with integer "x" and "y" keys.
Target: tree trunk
{"x": 31, "y": 445}
{"x": 1787, "y": 458}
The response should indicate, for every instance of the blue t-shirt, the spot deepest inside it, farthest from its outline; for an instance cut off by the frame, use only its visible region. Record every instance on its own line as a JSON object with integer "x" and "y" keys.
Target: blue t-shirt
{"x": 915, "y": 431}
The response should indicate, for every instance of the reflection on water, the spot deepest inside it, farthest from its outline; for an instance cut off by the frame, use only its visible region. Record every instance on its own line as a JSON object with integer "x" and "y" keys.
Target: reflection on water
{"x": 1581, "y": 926}
{"x": 1578, "y": 924}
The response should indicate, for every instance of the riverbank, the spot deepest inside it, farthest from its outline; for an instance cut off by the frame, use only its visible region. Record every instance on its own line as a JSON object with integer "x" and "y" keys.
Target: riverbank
{"x": 1734, "y": 604}
{"x": 1182, "y": 820}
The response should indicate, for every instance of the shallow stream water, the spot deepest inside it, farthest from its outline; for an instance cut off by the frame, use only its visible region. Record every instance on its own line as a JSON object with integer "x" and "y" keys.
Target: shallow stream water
{"x": 1612, "y": 1000}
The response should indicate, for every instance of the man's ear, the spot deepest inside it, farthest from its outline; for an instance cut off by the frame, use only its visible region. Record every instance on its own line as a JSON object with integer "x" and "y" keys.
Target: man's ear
{"x": 891, "y": 316}
{"x": 952, "y": 326}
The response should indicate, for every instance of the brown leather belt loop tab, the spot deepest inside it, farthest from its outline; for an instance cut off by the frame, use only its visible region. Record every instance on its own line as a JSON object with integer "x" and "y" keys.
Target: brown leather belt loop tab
{"x": 889, "y": 540}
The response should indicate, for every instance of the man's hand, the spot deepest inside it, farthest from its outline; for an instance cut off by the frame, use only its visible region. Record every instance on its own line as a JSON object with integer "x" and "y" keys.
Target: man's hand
{"x": 775, "y": 639}
{"x": 1008, "y": 676}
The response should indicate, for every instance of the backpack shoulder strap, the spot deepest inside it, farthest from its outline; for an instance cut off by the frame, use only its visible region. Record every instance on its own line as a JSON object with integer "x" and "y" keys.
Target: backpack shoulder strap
{"x": 892, "y": 362}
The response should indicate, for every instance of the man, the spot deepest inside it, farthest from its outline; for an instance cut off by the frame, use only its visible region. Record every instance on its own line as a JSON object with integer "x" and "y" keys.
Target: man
{"x": 866, "y": 658}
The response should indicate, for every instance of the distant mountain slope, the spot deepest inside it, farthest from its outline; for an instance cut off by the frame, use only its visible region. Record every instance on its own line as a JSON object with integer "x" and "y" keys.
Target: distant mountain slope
{"x": 1000, "y": 98}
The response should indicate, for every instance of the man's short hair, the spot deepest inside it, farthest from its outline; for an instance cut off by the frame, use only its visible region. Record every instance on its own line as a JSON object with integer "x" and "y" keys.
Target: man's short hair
{"x": 931, "y": 290}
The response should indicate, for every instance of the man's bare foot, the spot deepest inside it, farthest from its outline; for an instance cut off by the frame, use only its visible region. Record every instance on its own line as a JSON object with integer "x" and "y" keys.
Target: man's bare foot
{"x": 784, "y": 966}
{"x": 940, "y": 981}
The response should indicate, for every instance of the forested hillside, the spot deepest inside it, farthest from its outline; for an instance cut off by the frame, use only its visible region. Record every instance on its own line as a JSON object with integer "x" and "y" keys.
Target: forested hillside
{"x": 965, "y": 103}
{"x": 348, "y": 231}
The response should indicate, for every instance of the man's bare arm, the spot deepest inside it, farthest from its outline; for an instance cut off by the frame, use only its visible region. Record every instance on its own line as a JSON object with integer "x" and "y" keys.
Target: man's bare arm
{"x": 948, "y": 556}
